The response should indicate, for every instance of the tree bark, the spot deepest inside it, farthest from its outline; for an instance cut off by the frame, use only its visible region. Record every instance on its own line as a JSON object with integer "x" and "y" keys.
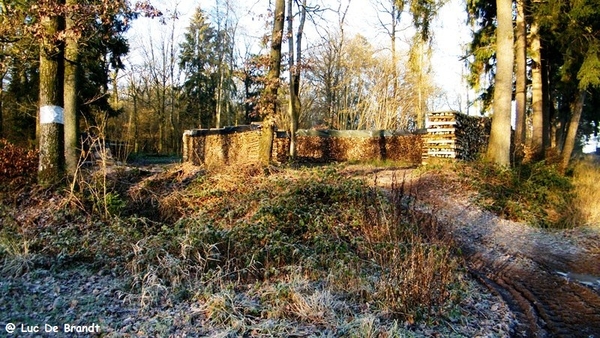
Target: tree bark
{"x": 571, "y": 137}
{"x": 500, "y": 137}
{"x": 2, "y": 105}
{"x": 71, "y": 88}
{"x": 537, "y": 96}
{"x": 521, "y": 79}
{"x": 295, "y": 61}
{"x": 546, "y": 102}
{"x": 51, "y": 120}
{"x": 268, "y": 132}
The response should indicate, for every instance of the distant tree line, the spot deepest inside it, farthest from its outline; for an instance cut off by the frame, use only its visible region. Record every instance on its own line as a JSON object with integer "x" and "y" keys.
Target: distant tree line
{"x": 73, "y": 54}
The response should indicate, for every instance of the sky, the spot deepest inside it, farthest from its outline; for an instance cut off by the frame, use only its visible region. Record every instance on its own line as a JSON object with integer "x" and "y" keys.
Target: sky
{"x": 450, "y": 34}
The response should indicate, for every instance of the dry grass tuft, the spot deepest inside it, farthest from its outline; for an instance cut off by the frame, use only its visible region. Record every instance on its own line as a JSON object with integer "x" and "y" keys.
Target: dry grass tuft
{"x": 586, "y": 176}
{"x": 18, "y": 259}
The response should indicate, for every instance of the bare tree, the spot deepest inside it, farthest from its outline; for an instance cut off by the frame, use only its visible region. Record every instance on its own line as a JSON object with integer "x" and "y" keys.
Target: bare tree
{"x": 160, "y": 65}
{"x": 272, "y": 85}
{"x": 295, "y": 65}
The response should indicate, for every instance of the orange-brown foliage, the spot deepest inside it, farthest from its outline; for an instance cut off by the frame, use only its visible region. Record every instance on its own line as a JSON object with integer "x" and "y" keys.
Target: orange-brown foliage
{"x": 18, "y": 166}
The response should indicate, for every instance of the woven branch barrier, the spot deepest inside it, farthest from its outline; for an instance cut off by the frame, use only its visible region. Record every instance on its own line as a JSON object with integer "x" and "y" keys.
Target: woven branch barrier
{"x": 448, "y": 135}
{"x": 358, "y": 145}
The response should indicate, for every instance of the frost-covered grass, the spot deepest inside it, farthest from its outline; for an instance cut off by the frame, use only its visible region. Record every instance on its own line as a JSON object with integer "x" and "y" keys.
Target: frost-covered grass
{"x": 236, "y": 252}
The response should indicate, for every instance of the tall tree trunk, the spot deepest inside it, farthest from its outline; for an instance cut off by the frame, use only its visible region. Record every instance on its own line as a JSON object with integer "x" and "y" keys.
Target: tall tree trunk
{"x": 499, "y": 144}
{"x": 295, "y": 64}
{"x": 219, "y": 96}
{"x": 268, "y": 127}
{"x": 521, "y": 79}
{"x": 51, "y": 120}
{"x": 395, "y": 18}
{"x": 2, "y": 105}
{"x": 71, "y": 88}
{"x": 537, "y": 96}
{"x": 546, "y": 102}
{"x": 132, "y": 123}
{"x": 570, "y": 138}
{"x": 418, "y": 68}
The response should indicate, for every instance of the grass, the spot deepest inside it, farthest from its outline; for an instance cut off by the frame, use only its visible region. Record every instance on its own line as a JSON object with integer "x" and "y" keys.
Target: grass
{"x": 586, "y": 175}
{"x": 383, "y": 163}
{"x": 316, "y": 222}
{"x": 535, "y": 193}
{"x": 298, "y": 248}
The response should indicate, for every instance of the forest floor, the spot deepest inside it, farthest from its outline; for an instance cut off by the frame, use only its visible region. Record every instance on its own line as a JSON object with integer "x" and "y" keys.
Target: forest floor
{"x": 517, "y": 280}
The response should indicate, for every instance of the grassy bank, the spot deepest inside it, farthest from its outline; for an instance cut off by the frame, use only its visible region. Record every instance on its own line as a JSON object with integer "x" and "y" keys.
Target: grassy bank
{"x": 536, "y": 193}
{"x": 292, "y": 250}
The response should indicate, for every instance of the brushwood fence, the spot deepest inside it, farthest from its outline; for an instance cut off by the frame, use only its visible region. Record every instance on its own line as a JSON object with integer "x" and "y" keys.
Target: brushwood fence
{"x": 359, "y": 145}
{"x": 448, "y": 135}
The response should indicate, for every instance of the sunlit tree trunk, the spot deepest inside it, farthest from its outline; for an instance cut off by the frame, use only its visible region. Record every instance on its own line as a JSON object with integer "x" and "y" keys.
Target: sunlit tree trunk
{"x": 132, "y": 131}
{"x": 2, "y": 104}
{"x": 71, "y": 88}
{"x": 418, "y": 66}
{"x": 537, "y": 96}
{"x": 521, "y": 78}
{"x": 51, "y": 121}
{"x": 294, "y": 106}
{"x": 173, "y": 123}
{"x": 268, "y": 132}
{"x": 571, "y": 137}
{"x": 499, "y": 144}
{"x": 547, "y": 109}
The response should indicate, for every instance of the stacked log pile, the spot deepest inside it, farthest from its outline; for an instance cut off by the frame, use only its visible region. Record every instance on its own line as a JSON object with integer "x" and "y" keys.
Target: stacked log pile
{"x": 472, "y": 134}
{"x": 405, "y": 147}
{"x": 441, "y": 137}
{"x": 213, "y": 147}
{"x": 281, "y": 147}
{"x": 449, "y": 135}
{"x": 454, "y": 135}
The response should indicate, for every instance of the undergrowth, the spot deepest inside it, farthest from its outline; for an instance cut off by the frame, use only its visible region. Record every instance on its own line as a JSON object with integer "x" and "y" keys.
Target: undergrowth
{"x": 535, "y": 193}
{"x": 318, "y": 224}
{"x": 18, "y": 167}
{"x": 302, "y": 245}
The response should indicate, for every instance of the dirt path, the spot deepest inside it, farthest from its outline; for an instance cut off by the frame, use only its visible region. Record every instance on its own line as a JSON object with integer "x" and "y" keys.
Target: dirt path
{"x": 550, "y": 280}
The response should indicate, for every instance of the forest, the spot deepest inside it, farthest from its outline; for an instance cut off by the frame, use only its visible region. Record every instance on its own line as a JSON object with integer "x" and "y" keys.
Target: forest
{"x": 505, "y": 244}
{"x": 76, "y": 56}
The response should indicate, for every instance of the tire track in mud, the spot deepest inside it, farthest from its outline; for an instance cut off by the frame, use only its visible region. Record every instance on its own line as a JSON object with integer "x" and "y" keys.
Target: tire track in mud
{"x": 524, "y": 267}
{"x": 546, "y": 304}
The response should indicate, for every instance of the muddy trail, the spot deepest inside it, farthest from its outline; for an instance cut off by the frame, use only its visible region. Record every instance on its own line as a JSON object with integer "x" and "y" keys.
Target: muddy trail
{"x": 546, "y": 301}
{"x": 549, "y": 280}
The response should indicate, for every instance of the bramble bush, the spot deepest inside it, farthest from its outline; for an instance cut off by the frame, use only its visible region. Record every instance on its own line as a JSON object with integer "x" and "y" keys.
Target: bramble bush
{"x": 18, "y": 166}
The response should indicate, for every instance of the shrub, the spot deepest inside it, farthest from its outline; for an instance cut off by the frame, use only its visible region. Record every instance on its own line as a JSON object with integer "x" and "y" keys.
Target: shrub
{"x": 535, "y": 193}
{"x": 238, "y": 230}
